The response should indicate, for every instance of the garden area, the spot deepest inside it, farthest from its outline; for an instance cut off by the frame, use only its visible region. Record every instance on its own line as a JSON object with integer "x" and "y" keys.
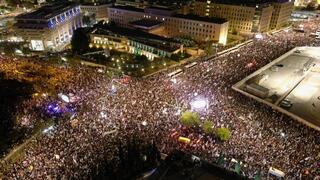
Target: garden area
{"x": 130, "y": 64}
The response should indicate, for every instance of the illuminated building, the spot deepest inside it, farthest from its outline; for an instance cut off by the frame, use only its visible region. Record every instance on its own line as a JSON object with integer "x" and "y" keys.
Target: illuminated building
{"x": 134, "y": 41}
{"x": 281, "y": 14}
{"x": 246, "y": 18}
{"x": 49, "y": 27}
{"x": 305, "y": 2}
{"x": 174, "y": 25}
{"x": 100, "y": 11}
{"x": 242, "y": 18}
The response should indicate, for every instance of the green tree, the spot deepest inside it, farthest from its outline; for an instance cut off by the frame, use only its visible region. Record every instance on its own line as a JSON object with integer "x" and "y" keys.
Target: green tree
{"x": 223, "y": 134}
{"x": 80, "y": 41}
{"x": 207, "y": 127}
{"x": 189, "y": 118}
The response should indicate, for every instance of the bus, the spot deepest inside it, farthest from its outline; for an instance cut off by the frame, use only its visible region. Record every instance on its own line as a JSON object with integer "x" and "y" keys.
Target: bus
{"x": 191, "y": 65}
{"x": 175, "y": 73}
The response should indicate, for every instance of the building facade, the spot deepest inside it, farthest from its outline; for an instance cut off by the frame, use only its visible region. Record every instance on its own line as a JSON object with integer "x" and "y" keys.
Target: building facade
{"x": 198, "y": 28}
{"x": 242, "y": 18}
{"x": 49, "y": 27}
{"x": 100, "y": 11}
{"x": 281, "y": 14}
{"x": 135, "y": 42}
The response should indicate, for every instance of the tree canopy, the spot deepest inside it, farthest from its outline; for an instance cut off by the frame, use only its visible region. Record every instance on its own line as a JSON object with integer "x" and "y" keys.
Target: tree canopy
{"x": 189, "y": 118}
{"x": 223, "y": 134}
{"x": 207, "y": 127}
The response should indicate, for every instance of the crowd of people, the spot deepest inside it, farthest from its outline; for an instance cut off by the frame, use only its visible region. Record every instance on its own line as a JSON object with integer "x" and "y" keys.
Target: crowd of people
{"x": 108, "y": 110}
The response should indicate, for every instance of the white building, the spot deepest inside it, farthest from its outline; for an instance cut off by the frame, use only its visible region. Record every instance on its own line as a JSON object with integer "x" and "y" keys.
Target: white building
{"x": 100, "y": 11}
{"x": 198, "y": 28}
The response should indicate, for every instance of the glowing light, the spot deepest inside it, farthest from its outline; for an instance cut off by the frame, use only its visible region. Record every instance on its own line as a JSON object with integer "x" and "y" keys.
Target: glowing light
{"x": 100, "y": 70}
{"x": 64, "y": 59}
{"x": 64, "y": 97}
{"x": 199, "y": 104}
{"x": 48, "y": 130}
{"x": 258, "y": 36}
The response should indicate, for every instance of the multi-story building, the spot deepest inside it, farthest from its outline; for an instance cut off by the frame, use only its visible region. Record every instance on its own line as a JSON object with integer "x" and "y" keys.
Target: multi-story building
{"x": 281, "y": 13}
{"x": 134, "y": 41}
{"x": 49, "y": 27}
{"x": 198, "y": 28}
{"x": 305, "y": 2}
{"x": 247, "y": 18}
{"x": 99, "y": 11}
{"x": 242, "y": 18}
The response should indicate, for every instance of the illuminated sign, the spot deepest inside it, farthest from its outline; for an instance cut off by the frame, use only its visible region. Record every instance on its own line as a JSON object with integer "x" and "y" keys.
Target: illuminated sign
{"x": 37, "y": 45}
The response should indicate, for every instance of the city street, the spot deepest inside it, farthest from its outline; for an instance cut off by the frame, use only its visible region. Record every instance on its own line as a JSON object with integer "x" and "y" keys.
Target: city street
{"x": 147, "y": 108}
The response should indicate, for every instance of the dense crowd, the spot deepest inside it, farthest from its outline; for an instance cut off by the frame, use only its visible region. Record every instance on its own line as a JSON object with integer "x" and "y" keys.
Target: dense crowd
{"x": 107, "y": 110}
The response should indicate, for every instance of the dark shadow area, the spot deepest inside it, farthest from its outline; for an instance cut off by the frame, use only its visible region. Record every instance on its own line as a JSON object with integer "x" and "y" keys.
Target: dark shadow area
{"x": 131, "y": 160}
{"x": 12, "y": 93}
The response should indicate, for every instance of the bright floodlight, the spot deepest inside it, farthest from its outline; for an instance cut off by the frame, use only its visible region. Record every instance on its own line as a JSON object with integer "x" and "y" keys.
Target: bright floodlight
{"x": 64, "y": 98}
{"x": 199, "y": 104}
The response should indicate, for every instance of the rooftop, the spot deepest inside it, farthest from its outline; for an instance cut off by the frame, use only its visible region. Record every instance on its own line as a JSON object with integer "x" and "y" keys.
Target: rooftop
{"x": 166, "y": 44}
{"x": 289, "y": 84}
{"x": 129, "y": 8}
{"x": 199, "y": 18}
{"x": 161, "y": 8}
{"x": 96, "y": 4}
{"x": 48, "y": 11}
{"x": 179, "y": 165}
{"x": 148, "y": 23}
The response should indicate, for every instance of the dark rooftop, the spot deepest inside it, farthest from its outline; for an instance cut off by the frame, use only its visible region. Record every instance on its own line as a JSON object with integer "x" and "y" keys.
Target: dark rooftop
{"x": 199, "y": 18}
{"x": 48, "y": 11}
{"x": 161, "y": 8}
{"x": 146, "y": 23}
{"x": 129, "y": 8}
{"x": 96, "y": 4}
{"x": 179, "y": 165}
